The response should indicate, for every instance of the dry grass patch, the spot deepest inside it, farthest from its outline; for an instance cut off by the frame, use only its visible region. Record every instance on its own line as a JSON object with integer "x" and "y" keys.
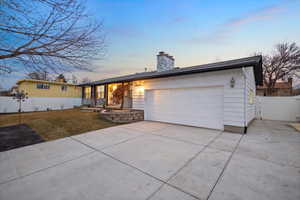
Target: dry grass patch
{"x": 52, "y": 125}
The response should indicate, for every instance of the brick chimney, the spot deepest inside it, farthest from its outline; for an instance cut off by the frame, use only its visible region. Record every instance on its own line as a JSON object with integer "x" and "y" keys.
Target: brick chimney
{"x": 164, "y": 62}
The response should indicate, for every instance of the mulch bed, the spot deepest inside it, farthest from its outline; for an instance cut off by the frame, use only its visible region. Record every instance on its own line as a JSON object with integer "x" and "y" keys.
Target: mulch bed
{"x": 16, "y": 136}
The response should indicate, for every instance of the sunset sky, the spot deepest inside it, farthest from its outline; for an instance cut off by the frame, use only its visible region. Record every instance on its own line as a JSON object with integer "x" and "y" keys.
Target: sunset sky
{"x": 193, "y": 31}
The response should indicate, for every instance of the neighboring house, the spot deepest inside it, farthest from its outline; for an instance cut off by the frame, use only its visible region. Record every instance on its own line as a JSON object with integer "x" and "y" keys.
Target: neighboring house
{"x": 219, "y": 95}
{"x": 280, "y": 89}
{"x": 41, "y": 88}
{"x": 42, "y": 96}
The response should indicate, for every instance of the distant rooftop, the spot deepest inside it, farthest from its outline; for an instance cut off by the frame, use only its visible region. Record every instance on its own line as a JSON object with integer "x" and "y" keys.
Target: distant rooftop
{"x": 43, "y": 81}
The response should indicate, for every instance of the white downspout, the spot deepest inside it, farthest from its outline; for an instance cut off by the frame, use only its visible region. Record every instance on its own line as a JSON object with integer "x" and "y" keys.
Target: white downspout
{"x": 245, "y": 98}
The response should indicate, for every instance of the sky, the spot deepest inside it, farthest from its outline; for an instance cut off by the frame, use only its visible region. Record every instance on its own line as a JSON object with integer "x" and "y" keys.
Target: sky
{"x": 193, "y": 31}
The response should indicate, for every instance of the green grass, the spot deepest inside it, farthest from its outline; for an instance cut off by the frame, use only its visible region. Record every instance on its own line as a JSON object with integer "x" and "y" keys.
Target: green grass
{"x": 53, "y": 125}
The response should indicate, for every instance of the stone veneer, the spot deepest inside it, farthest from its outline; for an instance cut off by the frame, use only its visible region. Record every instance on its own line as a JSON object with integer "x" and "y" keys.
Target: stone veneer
{"x": 123, "y": 116}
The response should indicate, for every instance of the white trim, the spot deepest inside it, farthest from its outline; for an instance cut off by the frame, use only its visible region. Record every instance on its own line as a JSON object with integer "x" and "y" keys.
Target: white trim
{"x": 188, "y": 87}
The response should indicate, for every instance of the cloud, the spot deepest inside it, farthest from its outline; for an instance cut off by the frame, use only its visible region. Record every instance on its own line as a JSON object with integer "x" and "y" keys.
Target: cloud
{"x": 234, "y": 25}
{"x": 261, "y": 14}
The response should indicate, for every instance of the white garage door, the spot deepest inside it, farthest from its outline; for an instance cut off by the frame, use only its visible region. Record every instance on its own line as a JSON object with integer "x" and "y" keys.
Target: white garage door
{"x": 202, "y": 107}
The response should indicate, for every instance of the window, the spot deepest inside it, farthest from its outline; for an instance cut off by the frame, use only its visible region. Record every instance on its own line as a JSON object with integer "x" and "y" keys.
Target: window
{"x": 100, "y": 91}
{"x": 87, "y": 92}
{"x": 42, "y": 86}
{"x": 64, "y": 88}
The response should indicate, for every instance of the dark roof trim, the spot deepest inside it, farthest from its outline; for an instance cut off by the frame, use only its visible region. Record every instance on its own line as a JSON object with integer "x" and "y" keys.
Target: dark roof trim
{"x": 255, "y": 61}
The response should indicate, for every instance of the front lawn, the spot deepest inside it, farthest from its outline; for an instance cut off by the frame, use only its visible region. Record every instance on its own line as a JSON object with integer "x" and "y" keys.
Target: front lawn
{"x": 52, "y": 125}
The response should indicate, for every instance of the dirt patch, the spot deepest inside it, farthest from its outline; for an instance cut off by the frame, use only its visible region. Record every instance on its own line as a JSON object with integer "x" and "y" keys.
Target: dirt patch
{"x": 16, "y": 136}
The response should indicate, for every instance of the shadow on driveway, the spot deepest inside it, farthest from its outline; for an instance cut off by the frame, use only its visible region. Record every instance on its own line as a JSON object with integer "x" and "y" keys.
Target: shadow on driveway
{"x": 12, "y": 137}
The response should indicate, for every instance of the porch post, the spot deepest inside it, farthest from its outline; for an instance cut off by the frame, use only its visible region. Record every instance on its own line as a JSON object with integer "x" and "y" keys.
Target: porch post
{"x": 105, "y": 95}
{"x": 82, "y": 94}
{"x": 94, "y": 96}
{"x": 122, "y": 104}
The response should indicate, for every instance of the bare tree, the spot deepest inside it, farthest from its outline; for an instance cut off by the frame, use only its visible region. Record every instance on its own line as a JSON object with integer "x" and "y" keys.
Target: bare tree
{"x": 282, "y": 64}
{"x": 56, "y": 35}
{"x": 37, "y": 75}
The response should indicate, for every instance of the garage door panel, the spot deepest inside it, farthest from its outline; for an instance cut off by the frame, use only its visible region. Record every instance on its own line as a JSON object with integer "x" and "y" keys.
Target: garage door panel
{"x": 169, "y": 117}
{"x": 201, "y": 107}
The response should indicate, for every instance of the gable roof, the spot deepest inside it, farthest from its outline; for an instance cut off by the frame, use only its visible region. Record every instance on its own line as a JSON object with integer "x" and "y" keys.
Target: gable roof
{"x": 255, "y": 61}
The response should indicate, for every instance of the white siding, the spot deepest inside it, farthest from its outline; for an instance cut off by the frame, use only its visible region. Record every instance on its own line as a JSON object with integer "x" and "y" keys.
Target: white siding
{"x": 137, "y": 98}
{"x": 233, "y": 97}
{"x": 250, "y": 88}
{"x": 9, "y": 105}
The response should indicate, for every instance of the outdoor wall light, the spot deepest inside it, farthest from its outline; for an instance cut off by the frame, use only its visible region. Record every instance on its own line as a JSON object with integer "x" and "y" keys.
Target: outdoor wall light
{"x": 138, "y": 83}
{"x": 141, "y": 89}
{"x": 232, "y": 82}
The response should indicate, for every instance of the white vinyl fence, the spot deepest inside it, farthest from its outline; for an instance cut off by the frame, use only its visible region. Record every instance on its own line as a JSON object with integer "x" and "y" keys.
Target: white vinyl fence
{"x": 10, "y": 105}
{"x": 278, "y": 108}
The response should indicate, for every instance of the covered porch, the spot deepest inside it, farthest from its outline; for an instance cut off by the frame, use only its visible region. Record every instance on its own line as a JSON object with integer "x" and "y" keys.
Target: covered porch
{"x": 118, "y": 95}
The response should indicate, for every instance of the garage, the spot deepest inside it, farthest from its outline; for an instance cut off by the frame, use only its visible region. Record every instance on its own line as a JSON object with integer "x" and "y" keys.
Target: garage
{"x": 217, "y": 95}
{"x": 196, "y": 106}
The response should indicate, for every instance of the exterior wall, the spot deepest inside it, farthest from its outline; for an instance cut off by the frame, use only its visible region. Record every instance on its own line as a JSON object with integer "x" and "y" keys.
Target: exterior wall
{"x": 233, "y": 97}
{"x": 138, "y": 96}
{"x": 10, "y": 105}
{"x": 278, "y": 108}
{"x": 250, "y": 94}
{"x": 54, "y": 90}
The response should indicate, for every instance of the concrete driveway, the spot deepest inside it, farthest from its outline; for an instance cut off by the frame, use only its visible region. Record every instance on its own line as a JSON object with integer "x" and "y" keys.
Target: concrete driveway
{"x": 157, "y": 161}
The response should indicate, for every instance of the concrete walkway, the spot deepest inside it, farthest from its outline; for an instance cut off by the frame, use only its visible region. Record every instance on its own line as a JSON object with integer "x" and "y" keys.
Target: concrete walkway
{"x": 157, "y": 161}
